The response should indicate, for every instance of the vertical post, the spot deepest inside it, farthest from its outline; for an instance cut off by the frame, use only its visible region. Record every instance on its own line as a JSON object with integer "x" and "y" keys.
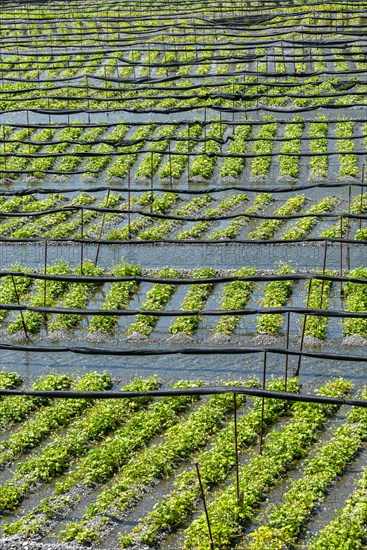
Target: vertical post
{"x": 5, "y": 158}
{"x": 149, "y": 59}
{"x": 105, "y": 85}
{"x": 88, "y": 104}
{"x": 361, "y": 201}
{"x": 287, "y": 356}
{"x": 170, "y": 162}
{"x": 21, "y": 312}
{"x": 117, "y": 69}
{"x": 294, "y": 62}
{"x": 128, "y": 204}
{"x": 303, "y": 330}
{"x": 151, "y": 182}
{"x": 196, "y": 45}
{"x": 323, "y": 272}
{"x": 205, "y": 507}
{"x": 82, "y": 237}
{"x": 220, "y": 126}
{"x": 28, "y": 122}
{"x": 233, "y": 103}
{"x": 263, "y": 405}
{"x": 236, "y": 449}
{"x": 348, "y": 229}
{"x": 45, "y": 281}
{"x": 188, "y": 151}
{"x": 102, "y": 227}
{"x": 4, "y": 151}
{"x": 341, "y": 253}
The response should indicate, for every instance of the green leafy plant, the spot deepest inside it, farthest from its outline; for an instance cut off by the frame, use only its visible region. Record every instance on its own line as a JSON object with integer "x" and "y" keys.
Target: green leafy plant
{"x": 195, "y": 299}
{"x": 117, "y": 298}
{"x": 236, "y": 295}
{"x": 157, "y": 299}
{"x": 276, "y": 294}
{"x": 356, "y": 300}
{"x": 235, "y": 166}
{"x": 215, "y": 465}
{"x": 260, "y": 165}
{"x": 260, "y": 473}
{"x": 204, "y": 165}
{"x": 318, "y": 132}
{"x": 267, "y": 228}
{"x": 289, "y": 165}
{"x": 77, "y": 297}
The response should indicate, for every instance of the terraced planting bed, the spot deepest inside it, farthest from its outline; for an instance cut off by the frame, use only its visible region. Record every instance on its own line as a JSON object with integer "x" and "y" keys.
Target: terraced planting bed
{"x": 183, "y": 215}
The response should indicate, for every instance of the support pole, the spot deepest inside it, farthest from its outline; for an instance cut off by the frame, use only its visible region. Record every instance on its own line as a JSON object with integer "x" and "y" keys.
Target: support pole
{"x": 102, "y": 227}
{"x": 151, "y": 182}
{"x": 348, "y": 230}
{"x": 170, "y": 162}
{"x": 361, "y": 202}
{"x": 21, "y": 312}
{"x": 129, "y": 204}
{"x": 323, "y": 272}
{"x": 45, "y": 282}
{"x": 263, "y": 405}
{"x": 341, "y": 254}
{"x": 236, "y": 450}
{"x": 303, "y": 330}
{"x": 82, "y": 237}
{"x": 205, "y": 507}
{"x": 188, "y": 158}
{"x": 287, "y": 356}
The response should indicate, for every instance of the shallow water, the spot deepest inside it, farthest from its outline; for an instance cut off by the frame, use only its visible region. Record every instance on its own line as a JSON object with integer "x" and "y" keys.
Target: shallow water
{"x": 212, "y": 369}
{"x": 308, "y": 256}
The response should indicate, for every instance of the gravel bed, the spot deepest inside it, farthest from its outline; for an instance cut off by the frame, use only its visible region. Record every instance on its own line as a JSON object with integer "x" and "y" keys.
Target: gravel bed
{"x": 18, "y": 542}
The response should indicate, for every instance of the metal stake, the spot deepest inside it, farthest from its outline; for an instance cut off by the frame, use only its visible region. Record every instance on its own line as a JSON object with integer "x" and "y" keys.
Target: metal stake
{"x": 263, "y": 405}
{"x": 361, "y": 202}
{"x": 81, "y": 236}
{"x": 205, "y": 507}
{"x": 21, "y": 312}
{"x": 128, "y": 204}
{"x": 102, "y": 227}
{"x": 348, "y": 229}
{"x": 303, "y": 330}
{"x": 236, "y": 449}
{"x": 188, "y": 151}
{"x": 233, "y": 103}
{"x": 323, "y": 272}
{"x": 341, "y": 253}
{"x": 287, "y": 356}
{"x": 170, "y": 162}
{"x": 151, "y": 182}
{"x": 45, "y": 281}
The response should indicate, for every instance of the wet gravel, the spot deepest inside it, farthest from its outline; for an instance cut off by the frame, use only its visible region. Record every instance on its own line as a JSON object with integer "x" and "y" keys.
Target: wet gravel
{"x": 18, "y": 542}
